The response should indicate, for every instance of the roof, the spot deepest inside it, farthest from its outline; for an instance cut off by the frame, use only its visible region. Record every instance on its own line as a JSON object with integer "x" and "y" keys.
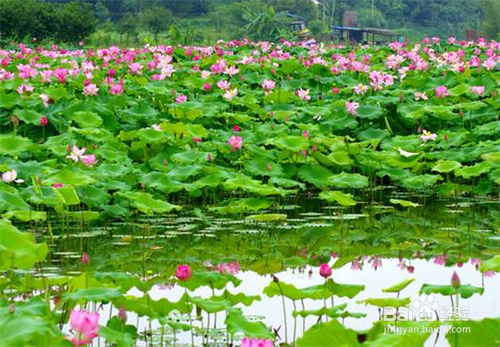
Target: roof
{"x": 365, "y": 30}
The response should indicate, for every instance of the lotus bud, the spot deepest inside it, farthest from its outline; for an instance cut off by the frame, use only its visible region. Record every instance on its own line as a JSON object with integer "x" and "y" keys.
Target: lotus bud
{"x": 12, "y": 308}
{"x": 44, "y": 121}
{"x": 122, "y": 314}
{"x": 455, "y": 280}
{"x": 325, "y": 270}
{"x": 85, "y": 259}
{"x": 275, "y": 279}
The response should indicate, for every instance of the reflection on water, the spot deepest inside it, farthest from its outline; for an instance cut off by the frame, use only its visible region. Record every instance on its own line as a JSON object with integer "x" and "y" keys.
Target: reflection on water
{"x": 375, "y": 245}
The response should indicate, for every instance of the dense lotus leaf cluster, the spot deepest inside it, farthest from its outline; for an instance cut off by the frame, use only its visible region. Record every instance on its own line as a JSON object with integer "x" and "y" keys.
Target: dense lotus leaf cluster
{"x": 117, "y": 130}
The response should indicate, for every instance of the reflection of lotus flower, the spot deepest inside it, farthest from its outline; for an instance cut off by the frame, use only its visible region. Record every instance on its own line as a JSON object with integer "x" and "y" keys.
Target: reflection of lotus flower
{"x": 440, "y": 259}
{"x": 489, "y": 273}
{"x": 376, "y": 261}
{"x": 355, "y": 265}
{"x": 183, "y": 272}
{"x": 325, "y": 270}
{"x": 255, "y": 342}
{"x": 229, "y": 268}
{"x": 86, "y": 326}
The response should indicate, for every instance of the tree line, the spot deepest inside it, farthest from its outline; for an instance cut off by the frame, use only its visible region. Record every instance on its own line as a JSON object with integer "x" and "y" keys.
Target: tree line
{"x": 188, "y": 21}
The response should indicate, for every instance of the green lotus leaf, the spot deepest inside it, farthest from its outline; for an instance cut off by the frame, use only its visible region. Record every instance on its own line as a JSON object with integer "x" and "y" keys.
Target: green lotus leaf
{"x": 483, "y": 332}
{"x": 492, "y": 264}
{"x": 236, "y": 322}
{"x": 404, "y": 203}
{"x": 473, "y": 171}
{"x": 87, "y": 119}
{"x": 386, "y": 302}
{"x": 13, "y": 145}
{"x": 465, "y": 290}
{"x": 399, "y": 286}
{"x": 331, "y": 334}
{"x": 315, "y": 174}
{"x": 346, "y": 180}
{"x": 18, "y": 249}
{"x": 145, "y": 203}
{"x": 445, "y": 166}
{"x": 338, "y": 197}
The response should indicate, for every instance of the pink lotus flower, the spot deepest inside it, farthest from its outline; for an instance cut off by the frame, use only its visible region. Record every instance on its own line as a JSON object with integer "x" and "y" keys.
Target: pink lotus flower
{"x": 268, "y": 85}
{"x": 45, "y": 100}
{"x": 335, "y": 90}
{"x": 230, "y": 94}
{"x": 183, "y": 272}
{"x": 420, "y": 96}
{"x": 207, "y": 87}
{"x": 135, "y": 68}
{"x": 255, "y": 342}
{"x": 90, "y": 89}
{"x": 442, "y": 92}
{"x": 181, "y": 98}
{"x": 157, "y": 127}
{"x": 303, "y": 94}
{"x": 224, "y": 85}
{"x": 229, "y": 268}
{"x": 235, "y": 142}
{"x": 305, "y": 133}
{"x": 85, "y": 326}
{"x": 427, "y": 135}
{"x": 89, "y": 160}
{"x": 116, "y": 88}
{"x": 44, "y": 121}
{"x": 11, "y": 176}
{"x": 196, "y": 139}
{"x": 351, "y": 107}
{"x": 325, "y": 270}
{"x": 478, "y": 90}
{"x": 58, "y": 185}
{"x": 361, "y": 89}
{"x": 231, "y": 71}
{"x": 237, "y": 128}
{"x": 75, "y": 153}
{"x": 23, "y": 88}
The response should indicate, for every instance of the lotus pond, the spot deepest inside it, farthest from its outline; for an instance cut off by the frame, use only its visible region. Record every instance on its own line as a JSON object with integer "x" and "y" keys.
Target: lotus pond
{"x": 250, "y": 194}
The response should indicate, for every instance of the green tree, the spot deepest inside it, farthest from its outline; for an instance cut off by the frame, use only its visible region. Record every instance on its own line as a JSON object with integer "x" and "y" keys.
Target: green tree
{"x": 266, "y": 25}
{"x": 127, "y": 24}
{"x": 156, "y": 19}
{"x": 491, "y": 24}
{"x": 75, "y": 21}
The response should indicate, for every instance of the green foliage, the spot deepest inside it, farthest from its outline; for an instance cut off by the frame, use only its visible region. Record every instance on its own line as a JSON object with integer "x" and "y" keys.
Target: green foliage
{"x": 68, "y": 22}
